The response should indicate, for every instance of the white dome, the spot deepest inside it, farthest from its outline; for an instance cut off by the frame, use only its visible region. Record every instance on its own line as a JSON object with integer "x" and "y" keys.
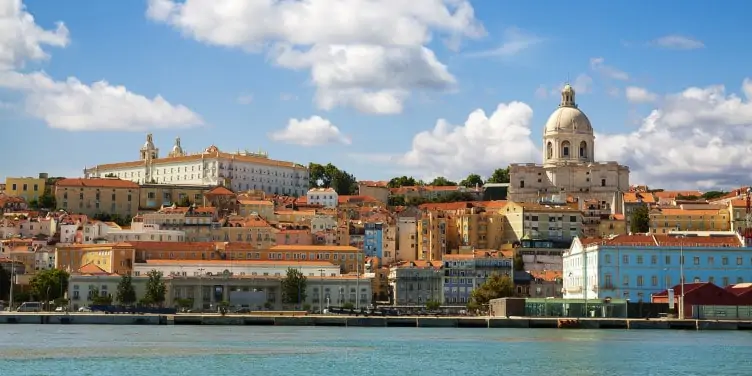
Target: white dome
{"x": 568, "y": 120}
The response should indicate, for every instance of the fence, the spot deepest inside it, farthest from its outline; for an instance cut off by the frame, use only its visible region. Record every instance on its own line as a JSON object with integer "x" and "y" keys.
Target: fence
{"x": 710, "y": 312}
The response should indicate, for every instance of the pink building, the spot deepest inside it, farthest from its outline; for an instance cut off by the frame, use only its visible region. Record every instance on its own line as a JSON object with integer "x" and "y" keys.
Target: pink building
{"x": 294, "y": 237}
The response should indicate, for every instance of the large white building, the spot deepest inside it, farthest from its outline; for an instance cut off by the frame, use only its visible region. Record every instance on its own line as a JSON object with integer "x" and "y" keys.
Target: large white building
{"x": 326, "y": 197}
{"x": 569, "y": 167}
{"x": 239, "y": 171}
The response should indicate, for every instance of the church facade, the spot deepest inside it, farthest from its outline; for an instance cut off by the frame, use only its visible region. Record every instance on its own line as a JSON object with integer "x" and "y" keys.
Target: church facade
{"x": 239, "y": 171}
{"x": 569, "y": 169}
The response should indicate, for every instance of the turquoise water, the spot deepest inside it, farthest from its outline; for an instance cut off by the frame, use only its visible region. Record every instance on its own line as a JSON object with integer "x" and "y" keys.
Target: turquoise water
{"x": 193, "y": 350}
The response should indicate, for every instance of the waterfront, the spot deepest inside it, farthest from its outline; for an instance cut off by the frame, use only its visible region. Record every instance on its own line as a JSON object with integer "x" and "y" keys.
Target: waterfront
{"x": 201, "y": 350}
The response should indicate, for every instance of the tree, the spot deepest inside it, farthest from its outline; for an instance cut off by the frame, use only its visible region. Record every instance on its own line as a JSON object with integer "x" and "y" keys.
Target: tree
{"x": 518, "y": 262}
{"x": 441, "y": 181}
{"x": 402, "y": 181}
{"x": 294, "y": 287}
{"x": 49, "y": 284}
{"x": 105, "y": 217}
{"x": 126, "y": 294}
{"x": 396, "y": 201}
{"x": 496, "y": 286}
{"x": 98, "y": 299}
{"x": 640, "y": 220}
{"x": 5, "y": 283}
{"x": 329, "y": 176}
{"x": 155, "y": 288}
{"x": 433, "y": 305}
{"x": 500, "y": 175}
{"x": 710, "y": 195}
{"x": 472, "y": 180}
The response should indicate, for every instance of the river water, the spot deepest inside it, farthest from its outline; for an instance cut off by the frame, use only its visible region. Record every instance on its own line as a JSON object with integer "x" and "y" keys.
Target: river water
{"x": 47, "y": 350}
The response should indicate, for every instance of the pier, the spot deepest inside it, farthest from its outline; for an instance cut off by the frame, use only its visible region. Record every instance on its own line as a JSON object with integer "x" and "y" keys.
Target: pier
{"x": 370, "y": 321}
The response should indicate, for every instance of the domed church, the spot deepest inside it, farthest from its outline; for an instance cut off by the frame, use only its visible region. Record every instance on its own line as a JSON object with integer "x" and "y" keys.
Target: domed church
{"x": 569, "y": 170}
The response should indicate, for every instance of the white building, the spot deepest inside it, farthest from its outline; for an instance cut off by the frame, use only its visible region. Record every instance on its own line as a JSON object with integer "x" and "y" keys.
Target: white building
{"x": 140, "y": 231}
{"x": 239, "y": 171}
{"x": 322, "y": 222}
{"x": 208, "y": 268}
{"x": 326, "y": 197}
{"x": 569, "y": 167}
{"x": 44, "y": 258}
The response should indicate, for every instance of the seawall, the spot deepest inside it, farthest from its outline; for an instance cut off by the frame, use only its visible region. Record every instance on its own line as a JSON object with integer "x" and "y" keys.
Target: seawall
{"x": 370, "y": 321}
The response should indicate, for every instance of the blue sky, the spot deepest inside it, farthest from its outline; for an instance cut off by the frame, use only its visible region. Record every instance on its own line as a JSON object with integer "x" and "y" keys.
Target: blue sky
{"x": 650, "y": 78}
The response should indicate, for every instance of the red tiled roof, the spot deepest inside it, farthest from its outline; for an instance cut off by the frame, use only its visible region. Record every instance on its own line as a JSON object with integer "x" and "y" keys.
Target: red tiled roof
{"x": 698, "y": 241}
{"x": 219, "y": 191}
{"x": 96, "y": 183}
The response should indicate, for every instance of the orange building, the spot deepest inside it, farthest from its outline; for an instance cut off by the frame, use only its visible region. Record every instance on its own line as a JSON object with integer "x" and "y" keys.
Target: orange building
{"x": 114, "y": 258}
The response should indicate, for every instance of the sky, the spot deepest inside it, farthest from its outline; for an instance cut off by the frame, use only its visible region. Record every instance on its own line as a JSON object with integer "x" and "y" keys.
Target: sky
{"x": 380, "y": 88}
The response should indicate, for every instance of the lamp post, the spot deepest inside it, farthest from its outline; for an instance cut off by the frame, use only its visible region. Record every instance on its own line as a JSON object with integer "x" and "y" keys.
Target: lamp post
{"x": 681, "y": 276}
{"x": 201, "y": 287}
{"x": 321, "y": 293}
{"x": 357, "y": 281}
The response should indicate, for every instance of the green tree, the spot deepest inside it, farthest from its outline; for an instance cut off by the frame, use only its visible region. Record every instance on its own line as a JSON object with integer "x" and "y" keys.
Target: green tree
{"x": 402, "y": 181}
{"x": 710, "y": 195}
{"x": 518, "y": 262}
{"x": 640, "y": 220}
{"x": 126, "y": 294}
{"x": 396, "y": 201}
{"x": 4, "y": 283}
{"x": 472, "y": 180}
{"x": 105, "y": 217}
{"x": 49, "y": 284}
{"x": 294, "y": 287}
{"x": 156, "y": 290}
{"x": 496, "y": 286}
{"x": 500, "y": 175}
{"x": 33, "y": 204}
{"x": 329, "y": 176}
{"x": 433, "y": 305}
{"x": 441, "y": 181}
{"x": 98, "y": 299}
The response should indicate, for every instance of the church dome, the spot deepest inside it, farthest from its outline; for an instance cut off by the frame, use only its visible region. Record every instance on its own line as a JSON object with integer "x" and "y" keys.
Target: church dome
{"x": 568, "y": 118}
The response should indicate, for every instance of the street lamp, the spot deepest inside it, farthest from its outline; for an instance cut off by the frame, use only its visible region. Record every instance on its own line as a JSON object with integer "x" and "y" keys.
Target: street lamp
{"x": 681, "y": 276}
{"x": 201, "y": 287}
{"x": 321, "y": 293}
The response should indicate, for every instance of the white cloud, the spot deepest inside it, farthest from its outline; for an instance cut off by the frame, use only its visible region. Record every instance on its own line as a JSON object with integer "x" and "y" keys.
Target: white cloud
{"x": 698, "y": 138}
{"x": 245, "y": 99}
{"x": 21, "y": 39}
{"x": 514, "y": 42}
{"x": 367, "y": 54}
{"x": 639, "y": 95}
{"x": 370, "y": 78}
{"x": 74, "y": 106}
{"x": 313, "y": 131}
{"x": 678, "y": 42}
{"x": 481, "y": 144}
{"x": 70, "y": 104}
{"x": 598, "y": 64}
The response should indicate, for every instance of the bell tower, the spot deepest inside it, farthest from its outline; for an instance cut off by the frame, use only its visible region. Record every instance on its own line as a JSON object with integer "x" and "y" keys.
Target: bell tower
{"x": 149, "y": 151}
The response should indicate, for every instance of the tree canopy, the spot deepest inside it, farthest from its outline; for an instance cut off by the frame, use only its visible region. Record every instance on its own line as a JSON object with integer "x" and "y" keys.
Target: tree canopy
{"x": 640, "y": 220}
{"x": 49, "y": 284}
{"x": 329, "y": 176}
{"x": 106, "y": 217}
{"x": 500, "y": 175}
{"x": 404, "y": 181}
{"x": 294, "y": 287}
{"x": 496, "y": 286}
{"x": 126, "y": 294}
{"x": 156, "y": 290}
{"x": 472, "y": 180}
{"x": 441, "y": 181}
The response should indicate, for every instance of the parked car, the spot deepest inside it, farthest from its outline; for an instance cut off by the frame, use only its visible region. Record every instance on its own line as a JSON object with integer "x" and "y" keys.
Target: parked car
{"x": 84, "y": 309}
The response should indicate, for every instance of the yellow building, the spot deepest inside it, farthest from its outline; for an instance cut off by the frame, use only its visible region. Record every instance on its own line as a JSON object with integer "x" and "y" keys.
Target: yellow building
{"x": 111, "y": 257}
{"x": 349, "y": 259}
{"x": 154, "y": 196}
{"x": 295, "y": 216}
{"x": 99, "y": 195}
{"x": 536, "y": 221}
{"x": 28, "y": 188}
{"x": 689, "y": 218}
{"x": 613, "y": 224}
{"x": 435, "y": 235}
{"x": 738, "y": 210}
{"x": 264, "y": 208}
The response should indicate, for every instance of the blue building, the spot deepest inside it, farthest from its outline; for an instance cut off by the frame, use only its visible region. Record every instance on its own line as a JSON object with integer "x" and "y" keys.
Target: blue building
{"x": 635, "y": 266}
{"x": 463, "y": 273}
{"x": 373, "y": 243}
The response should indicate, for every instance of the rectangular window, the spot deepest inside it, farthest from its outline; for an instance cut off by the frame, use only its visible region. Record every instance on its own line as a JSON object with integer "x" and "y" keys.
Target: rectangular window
{"x": 639, "y": 260}
{"x": 654, "y": 280}
{"x": 625, "y": 280}
{"x": 653, "y": 259}
{"x": 739, "y": 261}
{"x": 668, "y": 260}
{"x": 696, "y": 260}
{"x": 625, "y": 259}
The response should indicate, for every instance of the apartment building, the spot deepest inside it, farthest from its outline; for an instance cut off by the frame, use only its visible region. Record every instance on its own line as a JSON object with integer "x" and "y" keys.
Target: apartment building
{"x": 97, "y": 196}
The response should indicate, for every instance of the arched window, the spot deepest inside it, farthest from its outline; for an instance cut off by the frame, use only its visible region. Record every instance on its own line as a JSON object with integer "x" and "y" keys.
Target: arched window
{"x": 565, "y": 149}
{"x": 549, "y": 150}
{"x": 583, "y": 149}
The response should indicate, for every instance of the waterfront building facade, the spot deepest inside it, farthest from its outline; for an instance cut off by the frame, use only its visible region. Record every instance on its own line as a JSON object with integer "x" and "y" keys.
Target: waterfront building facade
{"x": 373, "y": 240}
{"x": 416, "y": 283}
{"x": 635, "y": 266}
{"x": 463, "y": 273}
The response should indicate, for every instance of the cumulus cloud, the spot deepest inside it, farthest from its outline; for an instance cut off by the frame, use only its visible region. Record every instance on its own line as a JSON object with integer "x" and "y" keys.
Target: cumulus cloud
{"x": 698, "y": 138}
{"x": 366, "y": 54}
{"x": 639, "y": 95}
{"x": 481, "y": 144}
{"x": 313, "y": 131}
{"x": 71, "y": 104}
{"x": 678, "y": 42}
